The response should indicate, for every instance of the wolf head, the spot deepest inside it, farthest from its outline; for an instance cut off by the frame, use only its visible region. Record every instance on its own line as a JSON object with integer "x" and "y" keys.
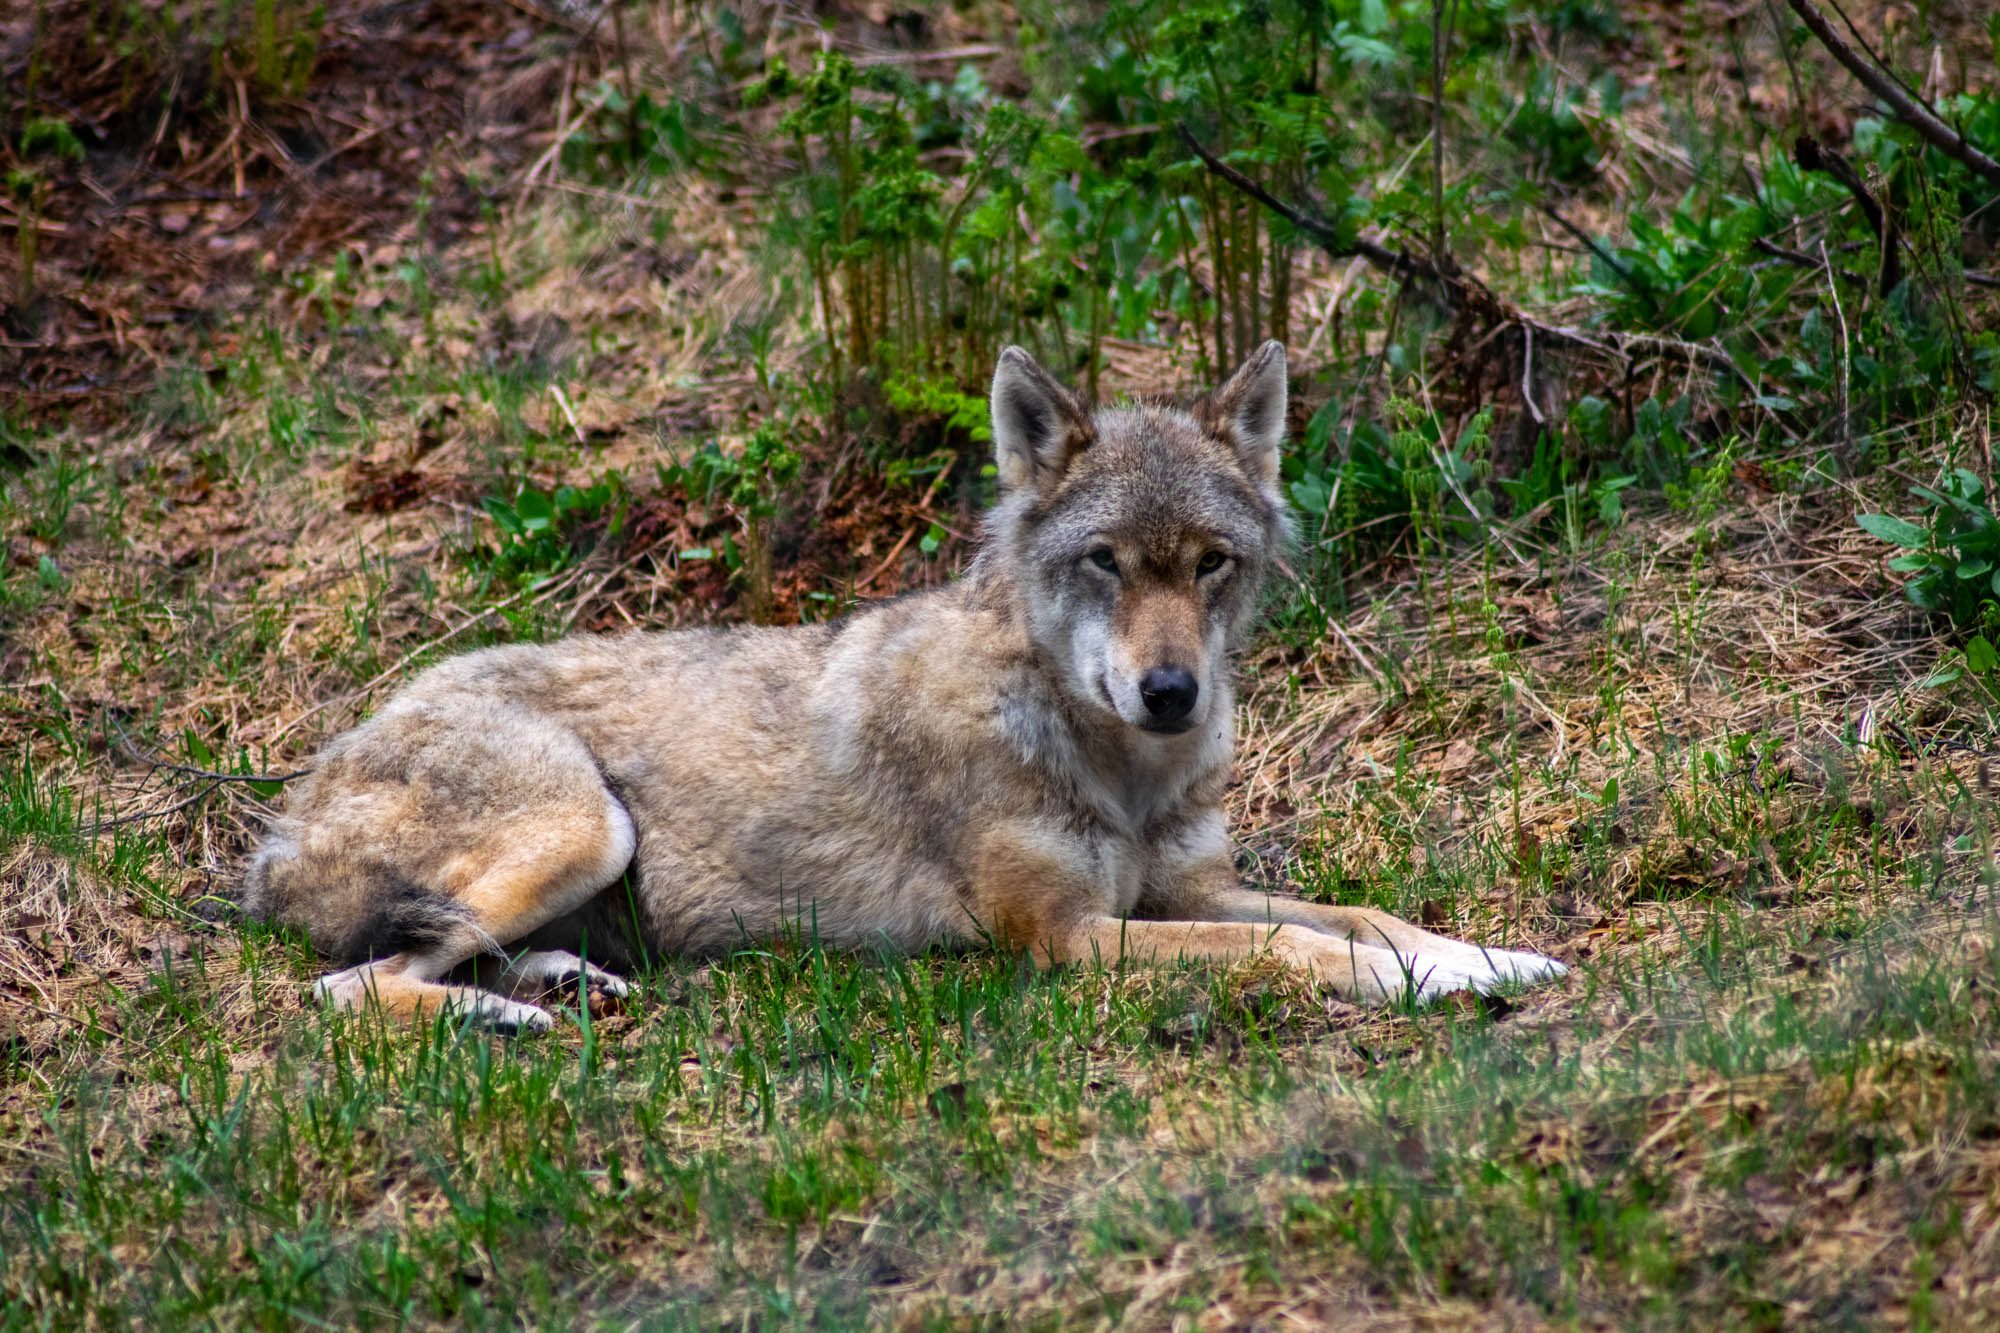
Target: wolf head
{"x": 1140, "y": 536}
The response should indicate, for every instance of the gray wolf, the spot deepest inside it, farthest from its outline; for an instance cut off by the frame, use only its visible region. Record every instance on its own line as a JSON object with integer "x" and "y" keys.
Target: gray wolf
{"x": 1033, "y": 756}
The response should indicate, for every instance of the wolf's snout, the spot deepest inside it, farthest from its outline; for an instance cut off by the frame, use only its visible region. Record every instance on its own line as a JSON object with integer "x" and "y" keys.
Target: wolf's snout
{"x": 1169, "y": 694}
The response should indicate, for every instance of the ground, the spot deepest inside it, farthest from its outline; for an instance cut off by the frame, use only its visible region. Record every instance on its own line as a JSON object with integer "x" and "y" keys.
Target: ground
{"x": 351, "y": 342}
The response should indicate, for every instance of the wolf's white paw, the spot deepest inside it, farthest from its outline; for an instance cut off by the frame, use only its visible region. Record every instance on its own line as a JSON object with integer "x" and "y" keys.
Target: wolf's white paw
{"x": 344, "y": 989}
{"x": 1483, "y": 970}
{"x": 541, "y": 970}
{"x": 1435, "y": 976}
{"x": 508, "y": 1017}
{"x": 1516, "y": 965}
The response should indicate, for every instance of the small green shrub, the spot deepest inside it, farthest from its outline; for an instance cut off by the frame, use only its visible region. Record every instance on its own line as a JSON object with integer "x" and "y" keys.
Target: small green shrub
{"x": 1951, "y": 551}
{"x": 748, "y": 487}
{"x": 540, "y": 530}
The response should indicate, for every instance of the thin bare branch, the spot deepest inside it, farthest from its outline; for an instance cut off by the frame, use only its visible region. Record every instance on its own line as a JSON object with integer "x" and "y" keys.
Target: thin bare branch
{"x": 1910, "y": 109}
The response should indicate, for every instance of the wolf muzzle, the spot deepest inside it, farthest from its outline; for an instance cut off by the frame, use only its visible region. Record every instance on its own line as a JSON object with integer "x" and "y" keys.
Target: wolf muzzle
{"x": 1169, "y": 694}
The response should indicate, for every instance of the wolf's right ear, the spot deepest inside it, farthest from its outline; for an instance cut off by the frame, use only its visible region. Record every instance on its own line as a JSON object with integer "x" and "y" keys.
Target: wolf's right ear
{"x": 1038, "y": 426}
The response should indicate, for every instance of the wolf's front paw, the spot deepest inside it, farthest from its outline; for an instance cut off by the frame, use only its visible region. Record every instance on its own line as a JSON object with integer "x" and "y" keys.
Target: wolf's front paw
{"x": 509, "y": 1018}
{"x": 1469, "y": 967}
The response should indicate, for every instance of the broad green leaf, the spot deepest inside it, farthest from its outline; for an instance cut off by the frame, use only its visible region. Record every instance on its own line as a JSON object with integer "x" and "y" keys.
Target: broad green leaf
{"x": 536, "y": 511}
{"x": 503, "y": 514}
{"x": 1979, "y": 654}
{"x": 1892, "y": 529}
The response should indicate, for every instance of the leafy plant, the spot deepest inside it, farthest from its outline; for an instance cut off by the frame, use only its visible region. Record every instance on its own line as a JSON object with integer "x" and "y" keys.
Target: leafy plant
{"x": 540, "y": 530}
{"x": 620, "y": 136}
{"x": 1951, "y": 551}
{"x": 749, "y": 488}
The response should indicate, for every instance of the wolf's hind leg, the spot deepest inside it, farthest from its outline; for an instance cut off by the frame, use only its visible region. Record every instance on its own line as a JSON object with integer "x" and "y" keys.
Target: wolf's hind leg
{"x": 385, "y": 984}
{"x": 522, "y": 874}
{"x": 538, "y": 971}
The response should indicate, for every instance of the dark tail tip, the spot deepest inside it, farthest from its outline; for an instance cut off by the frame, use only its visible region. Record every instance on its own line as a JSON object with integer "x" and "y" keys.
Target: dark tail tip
{"x": 406, "y": 919}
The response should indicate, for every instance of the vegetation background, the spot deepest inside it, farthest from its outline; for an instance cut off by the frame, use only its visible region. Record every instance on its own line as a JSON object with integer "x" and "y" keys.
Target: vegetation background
{"x": 1645, "y": 614}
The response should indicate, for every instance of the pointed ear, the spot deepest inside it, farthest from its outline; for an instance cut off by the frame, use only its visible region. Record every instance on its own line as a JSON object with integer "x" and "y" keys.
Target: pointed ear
{"x": 1248, "y": 412}
{"x": 1038, "y": 426}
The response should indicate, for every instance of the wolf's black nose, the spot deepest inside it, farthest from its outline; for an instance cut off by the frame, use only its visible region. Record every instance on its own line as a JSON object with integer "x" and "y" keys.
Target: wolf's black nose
{"x": 1169, "y": 693}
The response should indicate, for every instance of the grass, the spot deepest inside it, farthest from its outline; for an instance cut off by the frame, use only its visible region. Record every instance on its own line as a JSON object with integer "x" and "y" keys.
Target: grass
{"x": 766, "y": 1137}
{"x": 1683, "y": 732}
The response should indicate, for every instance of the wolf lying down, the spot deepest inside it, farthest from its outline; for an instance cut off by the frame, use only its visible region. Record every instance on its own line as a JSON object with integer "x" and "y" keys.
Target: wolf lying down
{"x": 1034, "y": 755}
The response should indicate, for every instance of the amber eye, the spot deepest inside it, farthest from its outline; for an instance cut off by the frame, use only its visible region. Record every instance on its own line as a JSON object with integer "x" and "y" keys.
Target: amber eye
{"x": 1210, "y": 562}
{"x": 1104, "y": 560}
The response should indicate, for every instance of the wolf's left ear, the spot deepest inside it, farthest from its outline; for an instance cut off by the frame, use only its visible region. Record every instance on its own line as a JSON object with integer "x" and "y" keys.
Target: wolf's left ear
{"x": 1249, "y": 411}
{"x": 1038, "y": 426}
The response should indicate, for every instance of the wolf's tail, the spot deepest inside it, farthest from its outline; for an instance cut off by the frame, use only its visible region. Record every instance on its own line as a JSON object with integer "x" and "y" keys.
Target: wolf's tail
{"x": 352, "y": 910}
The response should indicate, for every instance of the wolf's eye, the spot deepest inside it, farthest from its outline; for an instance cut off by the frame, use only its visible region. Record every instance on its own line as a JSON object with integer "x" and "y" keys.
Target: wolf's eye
{"x": 1210, "y": 562}
{"x": 1104, "y": 560}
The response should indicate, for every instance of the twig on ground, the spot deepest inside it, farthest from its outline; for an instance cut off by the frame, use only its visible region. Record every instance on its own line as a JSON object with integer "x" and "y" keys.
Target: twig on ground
{"x": 105, "y": 825}
{"x": 1833, "y": 288}
{"x": 153, "y": 761}
{"x": 1617, "y": 265}
{"x": 1812, "y": 155}
{"x": 569, "y": 414}
{"x": 1528, "y": 372}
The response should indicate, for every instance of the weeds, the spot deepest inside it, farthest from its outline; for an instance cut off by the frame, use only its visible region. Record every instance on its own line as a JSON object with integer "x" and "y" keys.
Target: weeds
{"x": 1952, "y": 552}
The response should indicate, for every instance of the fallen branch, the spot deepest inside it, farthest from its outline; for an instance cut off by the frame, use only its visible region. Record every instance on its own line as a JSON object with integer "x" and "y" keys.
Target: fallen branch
{"x": 154, "y": 761}
{"x": 106, "y": 825}
{"x": 1623, "y": 270}
{"x": 1910, "y": 109}
{"x": 1797, "y": 260}
{"x": 1459, "y": 290}
{"x": 1325, "y": 233}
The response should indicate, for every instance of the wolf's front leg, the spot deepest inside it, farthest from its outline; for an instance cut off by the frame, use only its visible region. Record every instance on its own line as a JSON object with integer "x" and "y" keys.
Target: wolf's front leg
{"x": 1437, "y": 963}
{"x": 1432, "y": 964}
{"x": 1356, "y": 971}
{"x": 1036, "y": 890}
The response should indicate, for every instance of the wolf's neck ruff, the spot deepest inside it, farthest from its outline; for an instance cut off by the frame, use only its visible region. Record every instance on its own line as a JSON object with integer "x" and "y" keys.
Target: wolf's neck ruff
{"x": 1034, "y": 757}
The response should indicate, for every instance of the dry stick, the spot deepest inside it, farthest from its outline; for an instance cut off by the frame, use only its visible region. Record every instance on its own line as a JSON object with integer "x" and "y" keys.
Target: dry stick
{"x": 1528, "y": 373}
{"x": 153, "y": 761}
{"x": 1834, "y": 288}
{"x": 1324, "y": 233}
{"x": 1797, "y": 260}
{"x": 1809, "y": 153}
{"x": 1617, "y": 265}
{"x": 1791, "y": 68}
{"x": 1910, "y": 109}
{"x": 104, "y": 825}
{"x": 1441, "y": 27}
{"x": 888, "y": 559}
{"x": 562, "y": 401}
